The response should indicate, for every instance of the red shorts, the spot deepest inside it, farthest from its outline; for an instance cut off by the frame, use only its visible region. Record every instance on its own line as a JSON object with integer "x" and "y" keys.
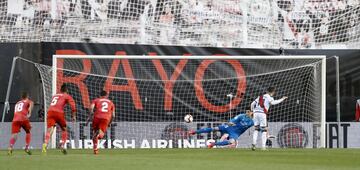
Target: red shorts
{"x": 100, "y": 124}
{"x": 17, "y": 125}
{"x": 56, "y": 118}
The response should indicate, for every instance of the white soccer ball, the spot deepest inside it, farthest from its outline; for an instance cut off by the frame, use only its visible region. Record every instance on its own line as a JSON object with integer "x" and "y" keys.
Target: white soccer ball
{"x": 188, "y": 118}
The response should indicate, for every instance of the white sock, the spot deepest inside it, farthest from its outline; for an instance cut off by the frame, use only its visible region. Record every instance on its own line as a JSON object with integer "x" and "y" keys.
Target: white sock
{"x": 263, "y": 139}
{"x": 255, "y": 135}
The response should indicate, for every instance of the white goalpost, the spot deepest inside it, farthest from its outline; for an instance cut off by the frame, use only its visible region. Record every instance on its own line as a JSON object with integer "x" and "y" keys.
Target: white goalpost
{"x": 153, "y": 93}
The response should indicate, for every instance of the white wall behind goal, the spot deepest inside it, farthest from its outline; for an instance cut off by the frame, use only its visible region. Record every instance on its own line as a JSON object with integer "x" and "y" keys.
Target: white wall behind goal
{"x": 344, "y": 135}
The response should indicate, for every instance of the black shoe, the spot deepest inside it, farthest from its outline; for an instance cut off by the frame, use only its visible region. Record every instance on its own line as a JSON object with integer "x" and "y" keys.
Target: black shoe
{"x": 10, "y": 152}
{"x": 64, "y": 151}
{"x": 28, "y": 151}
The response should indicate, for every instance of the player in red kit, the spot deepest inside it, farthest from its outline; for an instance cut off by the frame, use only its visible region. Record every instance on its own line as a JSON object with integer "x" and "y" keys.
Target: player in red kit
{"x": 56, "y": 115}
{"x": 104, "y": 112}
{"x": 22, "y": 113}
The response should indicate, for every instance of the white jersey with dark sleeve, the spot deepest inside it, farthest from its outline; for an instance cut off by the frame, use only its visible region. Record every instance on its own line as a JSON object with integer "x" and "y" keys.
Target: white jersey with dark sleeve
{"x": 268, "y": 101}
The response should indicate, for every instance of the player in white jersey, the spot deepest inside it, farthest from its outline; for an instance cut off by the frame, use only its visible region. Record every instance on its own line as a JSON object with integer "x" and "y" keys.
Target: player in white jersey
{"x": 260, "y": 106}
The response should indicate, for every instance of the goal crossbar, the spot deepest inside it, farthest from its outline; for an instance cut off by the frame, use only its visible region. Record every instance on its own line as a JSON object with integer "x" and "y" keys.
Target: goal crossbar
{"x": 211, "y": 57}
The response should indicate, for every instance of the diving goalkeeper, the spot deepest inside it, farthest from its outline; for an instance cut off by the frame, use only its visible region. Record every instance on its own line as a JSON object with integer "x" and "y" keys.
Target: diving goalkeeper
{"x": 233, "y": 129}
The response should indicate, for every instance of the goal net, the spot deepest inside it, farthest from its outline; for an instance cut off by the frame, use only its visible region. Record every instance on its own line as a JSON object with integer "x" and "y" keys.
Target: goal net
{"x": 152, "y": 94}
{"x": 214, "y": 23}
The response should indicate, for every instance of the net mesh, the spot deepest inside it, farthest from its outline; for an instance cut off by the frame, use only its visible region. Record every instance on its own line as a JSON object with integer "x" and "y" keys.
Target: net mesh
{"x": 153, "y": 96}
{"x": 214, "y": 23}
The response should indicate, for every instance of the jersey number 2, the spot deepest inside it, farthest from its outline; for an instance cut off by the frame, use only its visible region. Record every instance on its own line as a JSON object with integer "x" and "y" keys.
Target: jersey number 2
{"x": 104, "y": 107}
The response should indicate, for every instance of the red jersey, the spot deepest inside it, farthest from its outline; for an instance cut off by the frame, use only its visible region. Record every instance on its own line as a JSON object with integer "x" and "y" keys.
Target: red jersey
{"x": 357, "y": 114}
{"x": 22, "y": 109}
{"x": 59, "y": 101}
{"x": 103, "y": 108}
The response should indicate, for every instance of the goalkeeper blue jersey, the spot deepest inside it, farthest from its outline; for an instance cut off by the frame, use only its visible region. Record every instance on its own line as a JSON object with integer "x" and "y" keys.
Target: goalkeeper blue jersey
{"x": 242, "y": 123}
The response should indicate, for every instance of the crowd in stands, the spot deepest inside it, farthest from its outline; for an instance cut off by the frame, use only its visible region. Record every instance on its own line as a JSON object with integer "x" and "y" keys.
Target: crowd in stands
{"x": 300, "y": 24}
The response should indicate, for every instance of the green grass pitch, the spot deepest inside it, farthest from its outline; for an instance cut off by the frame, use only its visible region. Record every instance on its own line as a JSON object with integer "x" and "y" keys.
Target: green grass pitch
{"x": 189, "y": 159}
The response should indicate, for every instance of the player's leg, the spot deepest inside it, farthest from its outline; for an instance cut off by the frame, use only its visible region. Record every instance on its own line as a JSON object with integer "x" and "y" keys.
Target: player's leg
{"x": 99, "y": 135}
{"x": 64, "y": 135}
{"x": 230, "y": 141}
{"x": 15, "y": 129}
{"x": 49, "y": 132}
{"x": 256, "y": 131}
{"x": 95, "y": 140}
{"x": 255, "y": 136}
{"x": 225, "y": 136}
{"x": 204, "y": 130}
{"x": 51, "y": 122}
{"x": 269, "y": 138}
{"x": 102, "y": 127}
{"x": 27, "y": 127}
{"x": 230, "y": 135}
{"x": 226, "y": 142}
{"x": 12, "y": 141}
{"x": 95, "y": 127}
{"x": 233, "y": 144}
{"x": 263, "y": 130}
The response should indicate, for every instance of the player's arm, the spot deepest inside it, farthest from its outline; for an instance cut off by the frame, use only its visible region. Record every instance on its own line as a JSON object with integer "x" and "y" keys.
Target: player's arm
{"x": 253, "y": 104}
{"x": 113, "y": 115}
{"x": 71, "y": 102}
{"x": 92, "y": 106}
{"x": 30, "y": 109}
{"x": 275, "y": 102}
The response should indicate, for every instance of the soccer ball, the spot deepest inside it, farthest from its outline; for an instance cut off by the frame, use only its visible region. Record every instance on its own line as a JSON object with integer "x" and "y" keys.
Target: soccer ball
{"x": 188, "y": 118}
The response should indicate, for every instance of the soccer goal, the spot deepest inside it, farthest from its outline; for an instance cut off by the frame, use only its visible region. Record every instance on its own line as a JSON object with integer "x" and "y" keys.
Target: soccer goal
{"x": 152, "y": 95}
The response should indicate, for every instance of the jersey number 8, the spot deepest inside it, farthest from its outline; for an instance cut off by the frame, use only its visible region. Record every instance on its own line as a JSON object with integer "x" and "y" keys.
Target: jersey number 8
{"x": 19, "y": 107}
